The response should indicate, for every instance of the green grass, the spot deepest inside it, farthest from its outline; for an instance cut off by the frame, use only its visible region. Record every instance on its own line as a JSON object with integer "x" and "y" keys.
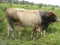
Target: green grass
{"x": 53, "y": 31}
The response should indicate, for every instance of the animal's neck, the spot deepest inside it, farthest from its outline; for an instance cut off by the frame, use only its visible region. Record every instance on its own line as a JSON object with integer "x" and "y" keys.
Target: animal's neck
{"x": 45, "y": 23}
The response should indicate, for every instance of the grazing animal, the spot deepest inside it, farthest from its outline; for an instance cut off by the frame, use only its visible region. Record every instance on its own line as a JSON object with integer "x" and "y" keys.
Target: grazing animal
{"x": 35, "y": 19}
{"x": 23, "y": 18}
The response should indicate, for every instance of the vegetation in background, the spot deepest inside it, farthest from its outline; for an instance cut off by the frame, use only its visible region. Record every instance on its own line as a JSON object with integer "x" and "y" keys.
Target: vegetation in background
{"x": 53, "y": 31}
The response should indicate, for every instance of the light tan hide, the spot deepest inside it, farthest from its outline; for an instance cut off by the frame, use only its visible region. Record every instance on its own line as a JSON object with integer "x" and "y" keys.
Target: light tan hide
{"x": 22, "y": 18}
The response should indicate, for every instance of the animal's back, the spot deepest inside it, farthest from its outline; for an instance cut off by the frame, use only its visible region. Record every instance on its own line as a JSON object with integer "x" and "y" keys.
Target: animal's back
{"x": 29, "y": 17}
{"x": 26, "y": 17}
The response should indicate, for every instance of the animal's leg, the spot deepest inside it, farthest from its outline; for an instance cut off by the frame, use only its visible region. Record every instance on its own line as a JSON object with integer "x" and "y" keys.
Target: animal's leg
{"x": 32, "y": 33}
{"x": 44, "y": 33}
{"x": 10, "y": 31}
{"x": 8, "y": 34}
{"x": 11, "y": 28}
{"x": 38, "y": 30}
{"x": 20, "y": 30}
{"x": 37, "y": 35}
{"x": 41, "y": 33}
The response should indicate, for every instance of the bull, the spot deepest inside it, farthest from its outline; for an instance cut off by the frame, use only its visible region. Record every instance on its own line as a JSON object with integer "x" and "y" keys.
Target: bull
{"x": 35, "y": 19}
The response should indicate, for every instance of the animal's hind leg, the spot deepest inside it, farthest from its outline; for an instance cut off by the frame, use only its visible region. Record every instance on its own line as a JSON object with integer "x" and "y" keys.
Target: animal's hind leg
{"x": 10, "y": 31}
{"x": 11, "y": 28}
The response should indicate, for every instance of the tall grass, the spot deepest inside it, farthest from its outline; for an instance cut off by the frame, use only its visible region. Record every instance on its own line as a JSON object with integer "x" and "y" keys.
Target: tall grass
{"x": 53, "y": 31}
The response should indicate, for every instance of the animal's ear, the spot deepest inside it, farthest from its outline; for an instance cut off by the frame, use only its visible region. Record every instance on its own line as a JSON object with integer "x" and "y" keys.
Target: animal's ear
{"x": 51, "y": 12}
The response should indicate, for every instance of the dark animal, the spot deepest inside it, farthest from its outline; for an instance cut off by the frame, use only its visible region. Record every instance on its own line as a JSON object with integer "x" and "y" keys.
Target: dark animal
{"x": 47, "y": 18}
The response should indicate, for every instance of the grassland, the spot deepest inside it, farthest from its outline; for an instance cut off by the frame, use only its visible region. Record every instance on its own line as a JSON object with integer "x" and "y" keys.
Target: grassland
{"x": 53, "y": 31}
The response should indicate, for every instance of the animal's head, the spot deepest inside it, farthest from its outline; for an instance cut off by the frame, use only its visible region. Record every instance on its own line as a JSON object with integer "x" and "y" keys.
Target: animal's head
{"x": 51, "y": 17}
{"x": 47, "y": 18}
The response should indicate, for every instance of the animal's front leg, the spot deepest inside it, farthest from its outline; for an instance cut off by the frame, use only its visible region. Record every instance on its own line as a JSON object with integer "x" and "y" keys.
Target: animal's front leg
{"x": 8, "y": 33}
{"x": 38, "y": 30}
{"x": 20, "y": 30}
{"x": 37, "y": 35}
{"x": 32, "y": 33}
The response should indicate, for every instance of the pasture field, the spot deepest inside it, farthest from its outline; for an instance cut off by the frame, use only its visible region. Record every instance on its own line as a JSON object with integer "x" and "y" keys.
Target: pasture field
{"x": 53, "y": 31}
